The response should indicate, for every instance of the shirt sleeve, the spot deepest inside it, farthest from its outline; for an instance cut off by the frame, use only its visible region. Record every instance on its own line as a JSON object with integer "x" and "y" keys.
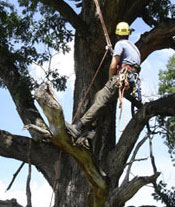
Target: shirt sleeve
{"x": 118, "y": 49}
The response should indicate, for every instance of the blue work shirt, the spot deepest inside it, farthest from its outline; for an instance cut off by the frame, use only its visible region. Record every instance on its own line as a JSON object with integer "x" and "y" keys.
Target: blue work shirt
{"x": 128, "y": 52}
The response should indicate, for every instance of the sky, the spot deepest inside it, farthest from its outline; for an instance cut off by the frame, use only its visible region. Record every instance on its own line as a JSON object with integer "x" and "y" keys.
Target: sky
{"x": 41, "y": 191}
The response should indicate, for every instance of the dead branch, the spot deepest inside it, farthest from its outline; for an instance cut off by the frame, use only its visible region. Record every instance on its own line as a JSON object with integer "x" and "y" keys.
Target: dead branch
{"x": 137, "y": 160}
{"x": 16, "y": 146}
{"x": 152, "y": 156}
{"x": 158, "y": 38}
{"x": 15, "y": 175}
{"x": 132, "y": 160}
{"x": 43, "y": 132}
{"x": 61, "y": 138}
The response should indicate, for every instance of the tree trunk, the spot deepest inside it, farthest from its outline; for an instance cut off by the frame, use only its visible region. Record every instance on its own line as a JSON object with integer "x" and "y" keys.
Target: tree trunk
{"x": 88, "y": 53}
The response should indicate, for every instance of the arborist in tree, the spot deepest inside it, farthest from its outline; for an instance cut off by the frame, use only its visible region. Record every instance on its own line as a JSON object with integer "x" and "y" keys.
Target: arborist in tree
{"x": 123, "y": 75}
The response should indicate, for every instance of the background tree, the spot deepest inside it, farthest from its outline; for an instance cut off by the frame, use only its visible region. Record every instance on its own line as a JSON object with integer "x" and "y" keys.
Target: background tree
{"x": 166, "y": 87}
{"x": 44, "y": 22}
{"x": 167, "y": 126}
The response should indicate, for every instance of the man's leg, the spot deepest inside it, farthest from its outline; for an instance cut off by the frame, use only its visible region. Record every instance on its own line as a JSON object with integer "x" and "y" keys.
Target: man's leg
{"x": 102, "y": 97}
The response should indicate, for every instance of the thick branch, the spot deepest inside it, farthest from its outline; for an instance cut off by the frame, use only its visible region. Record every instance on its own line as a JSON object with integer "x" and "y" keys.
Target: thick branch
{"x": 43, "y": 155}
{"x": 66, "y": 11}
{"x": 152, "y": 156}
{"x": 15, "y": 175}
{"x": 19, "y": 91}
{"x": 119, "y": 156}
{"x": 62, "y": 139}
{"x": 43, "y": 132}
{"x": 158, "y": 38}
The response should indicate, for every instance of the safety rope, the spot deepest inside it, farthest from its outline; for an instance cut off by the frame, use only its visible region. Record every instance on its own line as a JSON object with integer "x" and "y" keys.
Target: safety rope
{"x": 109, "y": 47}
{"x": 121, "y": 95}
{"x": 90, "y": 85}
{"x": 108, "y": 41}
{"x": 122, "y": 86}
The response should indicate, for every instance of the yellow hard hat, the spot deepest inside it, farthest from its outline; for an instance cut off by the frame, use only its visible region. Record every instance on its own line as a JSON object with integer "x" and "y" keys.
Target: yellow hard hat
{"x": 122, "y": 28}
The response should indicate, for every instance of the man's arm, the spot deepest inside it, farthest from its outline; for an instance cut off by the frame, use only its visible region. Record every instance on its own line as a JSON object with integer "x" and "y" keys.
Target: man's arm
{"x": 114, "y": 65}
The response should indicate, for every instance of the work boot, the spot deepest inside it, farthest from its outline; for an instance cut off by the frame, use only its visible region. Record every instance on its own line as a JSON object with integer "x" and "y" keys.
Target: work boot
{"x": 75, "y": 129}
{"x": 78, "y": 127}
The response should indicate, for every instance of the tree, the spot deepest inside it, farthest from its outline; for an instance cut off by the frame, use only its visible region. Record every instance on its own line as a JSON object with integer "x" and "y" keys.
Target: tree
{"x": 166, "y": 124}
{"x": 167, "y": 86}
{"x": 89, "y": 177}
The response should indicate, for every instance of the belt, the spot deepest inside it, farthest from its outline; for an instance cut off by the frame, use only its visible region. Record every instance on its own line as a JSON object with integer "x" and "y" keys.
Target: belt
{"x": 133, "y": 68}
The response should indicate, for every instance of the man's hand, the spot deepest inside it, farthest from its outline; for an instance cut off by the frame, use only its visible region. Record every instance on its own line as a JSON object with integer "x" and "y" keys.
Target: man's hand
{"x": 109, "y": 47}
{"x": 114, "y": 66}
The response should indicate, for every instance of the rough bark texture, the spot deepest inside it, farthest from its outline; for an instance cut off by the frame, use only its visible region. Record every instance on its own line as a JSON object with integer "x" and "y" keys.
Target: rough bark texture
{"x": 83, "y": 187}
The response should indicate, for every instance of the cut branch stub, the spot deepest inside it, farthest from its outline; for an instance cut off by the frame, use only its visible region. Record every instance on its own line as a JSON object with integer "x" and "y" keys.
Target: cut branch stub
{"x": 51, "y": 108}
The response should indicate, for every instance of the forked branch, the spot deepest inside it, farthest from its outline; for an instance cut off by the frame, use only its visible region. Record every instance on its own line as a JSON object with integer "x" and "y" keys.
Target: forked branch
{"x": 130, "y": 188}
{"x": 61, "y": 138}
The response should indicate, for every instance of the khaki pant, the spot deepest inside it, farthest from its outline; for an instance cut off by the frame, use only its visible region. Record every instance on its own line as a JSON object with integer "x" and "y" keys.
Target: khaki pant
{"x": 102, "y": 97}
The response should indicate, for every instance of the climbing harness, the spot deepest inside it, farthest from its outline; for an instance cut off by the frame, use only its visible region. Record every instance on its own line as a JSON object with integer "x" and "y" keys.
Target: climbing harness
{"x": 127, "y": 78}
{"x": 122, "y": 84}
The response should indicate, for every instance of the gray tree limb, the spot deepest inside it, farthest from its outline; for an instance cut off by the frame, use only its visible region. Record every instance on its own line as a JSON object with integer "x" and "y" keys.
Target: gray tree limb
{"x": 15, "y": 175}
{"x": 43, "y": 155}
{"x": 148, "y": 19}
{"x": 129, "y": 189}
{"x": 160, "y": 37}
{"x": 132, "y": 160}
{"x": 71, "y": 16}
{"x": 117, "y": 159}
